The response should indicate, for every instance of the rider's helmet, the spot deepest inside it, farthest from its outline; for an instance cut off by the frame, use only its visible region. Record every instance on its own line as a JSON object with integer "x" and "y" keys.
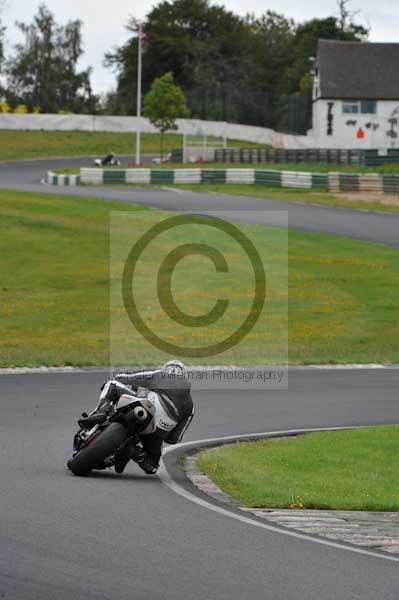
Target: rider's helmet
{"x": 175, "y": 367}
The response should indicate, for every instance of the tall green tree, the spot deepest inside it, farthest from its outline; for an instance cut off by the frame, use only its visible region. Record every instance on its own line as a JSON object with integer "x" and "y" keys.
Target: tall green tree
{"x": 163, "y": 104}
{"x": 200, "y": 43}
{"x": 305, "y": 43}
{"x": 43, "y": 70}
{"x": 2, "y": 32}
{"x": 239, "y": 69}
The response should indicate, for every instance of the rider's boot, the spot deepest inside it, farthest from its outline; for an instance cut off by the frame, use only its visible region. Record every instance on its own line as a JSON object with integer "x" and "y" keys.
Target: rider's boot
{"x": 96, "y": 418}
{"x": 122, "y": 458}
{"x": 99, "y": 415}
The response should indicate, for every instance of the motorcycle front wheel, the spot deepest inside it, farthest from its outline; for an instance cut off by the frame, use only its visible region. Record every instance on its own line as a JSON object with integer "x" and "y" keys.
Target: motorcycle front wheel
{"x": 97, "y": 450}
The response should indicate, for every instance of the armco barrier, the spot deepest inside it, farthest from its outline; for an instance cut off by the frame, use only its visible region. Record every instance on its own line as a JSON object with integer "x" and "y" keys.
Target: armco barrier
{"x": 334, "y": 182}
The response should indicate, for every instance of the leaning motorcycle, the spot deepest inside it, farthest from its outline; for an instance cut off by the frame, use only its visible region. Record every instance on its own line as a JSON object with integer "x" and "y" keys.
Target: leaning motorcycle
{"x": 97, "y": 448}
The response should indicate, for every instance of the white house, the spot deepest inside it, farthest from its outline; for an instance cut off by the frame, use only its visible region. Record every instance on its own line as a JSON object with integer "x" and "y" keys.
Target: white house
{"x": 356, "y": 95}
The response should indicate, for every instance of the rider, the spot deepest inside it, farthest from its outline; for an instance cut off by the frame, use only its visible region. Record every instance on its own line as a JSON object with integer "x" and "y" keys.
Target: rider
{"x": 168, "y": 390}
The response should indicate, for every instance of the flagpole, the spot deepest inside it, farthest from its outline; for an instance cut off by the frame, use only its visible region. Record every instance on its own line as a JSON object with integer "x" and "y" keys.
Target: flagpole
{"x": 139, "y": 73}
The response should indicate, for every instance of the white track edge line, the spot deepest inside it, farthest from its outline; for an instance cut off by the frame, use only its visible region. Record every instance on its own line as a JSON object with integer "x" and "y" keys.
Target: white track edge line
{"x": 166, "y": 478}
{"x": 343, "y": 367}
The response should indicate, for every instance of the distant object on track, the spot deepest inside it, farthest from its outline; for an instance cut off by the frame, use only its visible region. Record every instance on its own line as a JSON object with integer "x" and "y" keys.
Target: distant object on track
{"x": 107, "y": 160}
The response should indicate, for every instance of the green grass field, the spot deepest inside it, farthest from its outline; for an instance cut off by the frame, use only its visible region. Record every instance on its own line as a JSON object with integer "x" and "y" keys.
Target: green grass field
{"x": 54, "y": 310}
{"x": 41, "y": 144}
{"x": 24, "y": 144}
{"x": 373, "y": 202}
{"x": 341, "y": 470}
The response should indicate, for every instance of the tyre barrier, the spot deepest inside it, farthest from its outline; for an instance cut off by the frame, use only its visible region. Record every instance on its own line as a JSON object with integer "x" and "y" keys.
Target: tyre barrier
{"x": 275, "y": 178}
{"x": 55, "y": 179}
{"x": 333, "y": 182}
{"x": 363, "y": 182}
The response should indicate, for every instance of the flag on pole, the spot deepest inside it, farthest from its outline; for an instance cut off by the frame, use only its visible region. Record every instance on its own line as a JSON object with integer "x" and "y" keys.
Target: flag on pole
{"x": 143, "y": 39}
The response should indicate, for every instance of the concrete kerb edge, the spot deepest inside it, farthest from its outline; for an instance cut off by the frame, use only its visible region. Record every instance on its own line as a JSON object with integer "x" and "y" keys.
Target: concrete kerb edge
{"x": 204, "y": 486}
{"x": 206, "y": 368}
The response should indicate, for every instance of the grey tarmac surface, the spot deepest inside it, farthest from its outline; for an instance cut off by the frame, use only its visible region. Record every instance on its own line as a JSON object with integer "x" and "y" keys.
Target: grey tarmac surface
{"x": 380, "y": 228}
{"x": 110, "y": 536}
{"x": 130, "y": 537}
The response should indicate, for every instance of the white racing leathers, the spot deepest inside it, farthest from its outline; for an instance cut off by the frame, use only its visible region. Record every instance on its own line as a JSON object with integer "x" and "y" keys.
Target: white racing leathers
{"x": 171, "y": 397}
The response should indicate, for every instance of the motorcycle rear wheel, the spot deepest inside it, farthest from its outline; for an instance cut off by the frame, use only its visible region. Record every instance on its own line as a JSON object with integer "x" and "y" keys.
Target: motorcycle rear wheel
{"x": 107, "y": 442}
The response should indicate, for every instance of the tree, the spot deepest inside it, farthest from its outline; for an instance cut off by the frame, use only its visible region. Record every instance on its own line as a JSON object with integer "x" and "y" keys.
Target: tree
{"x": 163, "y": 104}
{"x": 43, "y": 70}
{"x": 197, "y": 41}
{"x": 345, "y": 15}
{"x": 231, "y": 68}
{"x": 2, "y": 32}
{"x": 305, "y": 41}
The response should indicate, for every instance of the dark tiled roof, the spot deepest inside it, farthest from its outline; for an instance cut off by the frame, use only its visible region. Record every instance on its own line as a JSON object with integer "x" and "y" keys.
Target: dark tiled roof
{"x": 358, "y": 70}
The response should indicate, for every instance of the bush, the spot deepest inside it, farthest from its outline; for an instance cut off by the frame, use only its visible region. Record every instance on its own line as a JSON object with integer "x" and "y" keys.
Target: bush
{"x": 21, "y": 109}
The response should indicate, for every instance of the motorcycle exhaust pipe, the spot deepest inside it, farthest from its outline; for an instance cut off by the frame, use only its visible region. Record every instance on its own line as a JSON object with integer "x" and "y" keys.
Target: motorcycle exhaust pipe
{"x": 140, "y": 413}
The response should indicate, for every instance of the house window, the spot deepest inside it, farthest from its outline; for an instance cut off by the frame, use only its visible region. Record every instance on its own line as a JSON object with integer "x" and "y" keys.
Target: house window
{"x": 365, "y": 107}
{"x": 368, "y": 107}
{"x": 350, "y": 107}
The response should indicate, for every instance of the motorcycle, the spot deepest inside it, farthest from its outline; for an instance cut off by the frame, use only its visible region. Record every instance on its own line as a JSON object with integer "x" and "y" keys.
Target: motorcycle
{"x": 98, "y": 447}
{"x": 108, "y": 160}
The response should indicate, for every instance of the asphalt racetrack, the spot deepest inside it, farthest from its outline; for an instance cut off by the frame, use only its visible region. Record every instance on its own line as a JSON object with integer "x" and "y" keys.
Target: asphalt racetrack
{"x": 380, "y": 228}
{"x": 109, "y": 537}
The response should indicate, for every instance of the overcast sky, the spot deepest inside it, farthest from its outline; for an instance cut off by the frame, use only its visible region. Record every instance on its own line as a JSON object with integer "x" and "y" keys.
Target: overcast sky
{"x": 104, "y": 21}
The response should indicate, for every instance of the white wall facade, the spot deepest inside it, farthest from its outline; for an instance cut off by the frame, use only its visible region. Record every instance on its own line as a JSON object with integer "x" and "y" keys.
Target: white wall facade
{"x": 332, "y": 128}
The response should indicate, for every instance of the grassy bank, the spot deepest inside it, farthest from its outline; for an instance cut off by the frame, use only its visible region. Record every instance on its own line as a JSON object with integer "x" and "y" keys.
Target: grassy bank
{"x": 41, "y": 144}
{"x": 341, "y": 470}
{"x": 357, "y": 200}
{"x": 54, "y": 309}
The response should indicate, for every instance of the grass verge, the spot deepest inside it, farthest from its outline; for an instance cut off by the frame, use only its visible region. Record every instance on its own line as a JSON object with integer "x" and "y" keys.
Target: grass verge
{"x": 41, "y": 144}
{"x": 340, "y": 470}
{"x": 54, "y": 295}
{"x": 356, "y": 200}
